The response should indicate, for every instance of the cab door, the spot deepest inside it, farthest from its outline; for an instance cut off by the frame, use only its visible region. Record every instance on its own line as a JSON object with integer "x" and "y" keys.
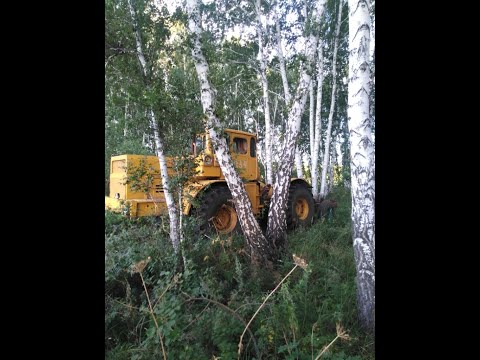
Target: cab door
{"x": 239, "y": 150}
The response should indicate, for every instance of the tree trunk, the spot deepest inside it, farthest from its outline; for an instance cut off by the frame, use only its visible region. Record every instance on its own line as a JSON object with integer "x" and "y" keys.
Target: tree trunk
{"x": 317, "y": 145}
{"x": 298, "y": 162}
{"x": 333, "y": 162}
{"x": 312, "y": 117}
{"x": 281, "y": 60}
{"x": 345, "y": 150}
{"x": 260, "y": 147}
{"x": 362, "y": 160}
{"x": 126, "y": 120}
{"x": 332, "y": 104}
{"x": 172, "y": 210}
{"x": 372, "y": 34}
{"x": 286, "y": 89}
{"x": 266, "y": 107}
{"x": 159, "y": 147}
{"x": 277, "y": 224}
{"x": 260, "y": 249}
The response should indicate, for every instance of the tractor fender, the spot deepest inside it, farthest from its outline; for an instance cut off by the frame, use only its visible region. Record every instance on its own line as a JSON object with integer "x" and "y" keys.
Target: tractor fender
{"x": 300, "y": 181}
{"x": 192, "y": 190}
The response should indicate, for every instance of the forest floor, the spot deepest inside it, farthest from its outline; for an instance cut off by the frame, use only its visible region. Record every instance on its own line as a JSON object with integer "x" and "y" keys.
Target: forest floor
{"x": 201, "y": 311}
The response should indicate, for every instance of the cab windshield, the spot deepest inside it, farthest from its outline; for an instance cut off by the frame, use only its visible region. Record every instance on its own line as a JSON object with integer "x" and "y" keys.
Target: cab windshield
{"x": 198, "y": 144}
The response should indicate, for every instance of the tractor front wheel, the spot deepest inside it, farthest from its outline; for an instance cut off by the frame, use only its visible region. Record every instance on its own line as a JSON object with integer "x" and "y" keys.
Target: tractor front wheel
{"x": 301, "y": 206}
{"x": 217, "y": 212}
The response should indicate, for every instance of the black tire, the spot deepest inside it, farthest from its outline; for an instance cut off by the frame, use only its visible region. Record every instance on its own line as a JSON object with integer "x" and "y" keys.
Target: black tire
{"x": 215, "y": 207}
{"x": 300, "y": 207}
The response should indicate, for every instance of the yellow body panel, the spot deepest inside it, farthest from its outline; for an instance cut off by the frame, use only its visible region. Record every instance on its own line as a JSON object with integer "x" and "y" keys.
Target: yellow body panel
{"x": 253, "y": 191}
{"x": 144, "y": 207}
{"x": 120, "y": 165}
{"x": 136, "y": 207}
{"x": 112, "y": 204}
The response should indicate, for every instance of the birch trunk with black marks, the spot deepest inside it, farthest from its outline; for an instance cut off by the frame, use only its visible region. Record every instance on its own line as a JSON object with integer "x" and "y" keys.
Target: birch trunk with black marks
{"x": 317, "y": 145}
{"x": 372, "y": 32}
{"x": 266, "y": 106}
{"x": 311, "y": 117}
{"x": 260, "y": 249}
{"x": 276, "y": 228}
{"x": 333, "y": 162}
{"x": 362, "y": 159}
{"x": 286, "y": 89}
{"x": 332, "y": 104}
{"x": 159, "y": 143}
{"x": 125, "y": 124}
{"x": 281, "y": 60}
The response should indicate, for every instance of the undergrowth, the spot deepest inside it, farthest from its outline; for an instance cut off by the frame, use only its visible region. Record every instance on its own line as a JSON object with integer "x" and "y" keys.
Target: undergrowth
{"x": 202, "y": 311}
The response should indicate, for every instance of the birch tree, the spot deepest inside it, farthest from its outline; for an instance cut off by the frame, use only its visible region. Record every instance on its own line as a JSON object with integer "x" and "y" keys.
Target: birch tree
{"x": 362, "y": 159}
{"x": 282, "y": 63}
{"x": 276, "y": 228}
{"x": 317, "y": 143}
{"x": 260, "y": 249}
{"x": 286, "y": 88}
{"x": 333, "y": 162}
{"x": 311, "y": 116}
{"x": 298, "y": 161}
{"x": 266, "y": 107}
{"x": 159, "y": 143}
{"x": 332, "y": 104}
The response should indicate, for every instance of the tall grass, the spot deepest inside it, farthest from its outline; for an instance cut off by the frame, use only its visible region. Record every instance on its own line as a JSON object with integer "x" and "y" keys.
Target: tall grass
{"x": 298, "y": 321}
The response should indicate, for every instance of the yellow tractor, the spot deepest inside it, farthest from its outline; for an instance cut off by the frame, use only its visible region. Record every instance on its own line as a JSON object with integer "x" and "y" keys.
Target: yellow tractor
{"x": 214, "y": 207}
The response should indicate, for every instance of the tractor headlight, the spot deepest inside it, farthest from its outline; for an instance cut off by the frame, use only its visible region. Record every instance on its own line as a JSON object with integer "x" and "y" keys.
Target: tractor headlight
{"x": 207, "y": 160}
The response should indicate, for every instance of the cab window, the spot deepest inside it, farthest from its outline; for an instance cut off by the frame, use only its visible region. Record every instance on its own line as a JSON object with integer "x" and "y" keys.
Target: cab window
{"x": 240, "y": 145}
{"x": 198, "y": 144}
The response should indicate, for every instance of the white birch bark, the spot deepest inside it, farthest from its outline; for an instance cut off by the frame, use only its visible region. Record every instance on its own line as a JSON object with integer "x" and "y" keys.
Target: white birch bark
{"x": 333, "y": 162}
{"x": 257, "y": 243}
{"x": 372, "y": 33}
{"x": 362, "y": 159}
{"x": 159, "y": 147}
{"x": 172, "y": 210}
{"x": 332, "y": 104}
{"x": 298, "y": 155}
{"x": 266, "y": 107}
{"x": 125, "y": 124}
{"x": 281, "y": 60}
{"x": 318, "y": 123}
{"x": 298, "y": 162}
{"x": 277, "y": 224}
{"x": 180, "y": 221}
{"x": 260, "y": 147}
{"x": 286, "y": 89}
{"x": 312, "y": 116}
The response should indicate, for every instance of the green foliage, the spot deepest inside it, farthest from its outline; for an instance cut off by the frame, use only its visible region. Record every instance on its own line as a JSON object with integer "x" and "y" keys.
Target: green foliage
{"x": 140, "y": 178}
{"x": 301, "y": 316}
{"x": 169, "y": 90}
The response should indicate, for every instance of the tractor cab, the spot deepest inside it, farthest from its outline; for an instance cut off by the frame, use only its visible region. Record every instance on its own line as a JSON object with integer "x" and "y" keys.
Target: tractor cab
{"x": 242, "y": 148}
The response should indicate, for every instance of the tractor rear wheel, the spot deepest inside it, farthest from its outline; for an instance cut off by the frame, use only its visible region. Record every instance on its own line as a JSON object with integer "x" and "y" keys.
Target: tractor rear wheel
{"x": 217, "y": 212}
{"x": 301, "y": 207}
